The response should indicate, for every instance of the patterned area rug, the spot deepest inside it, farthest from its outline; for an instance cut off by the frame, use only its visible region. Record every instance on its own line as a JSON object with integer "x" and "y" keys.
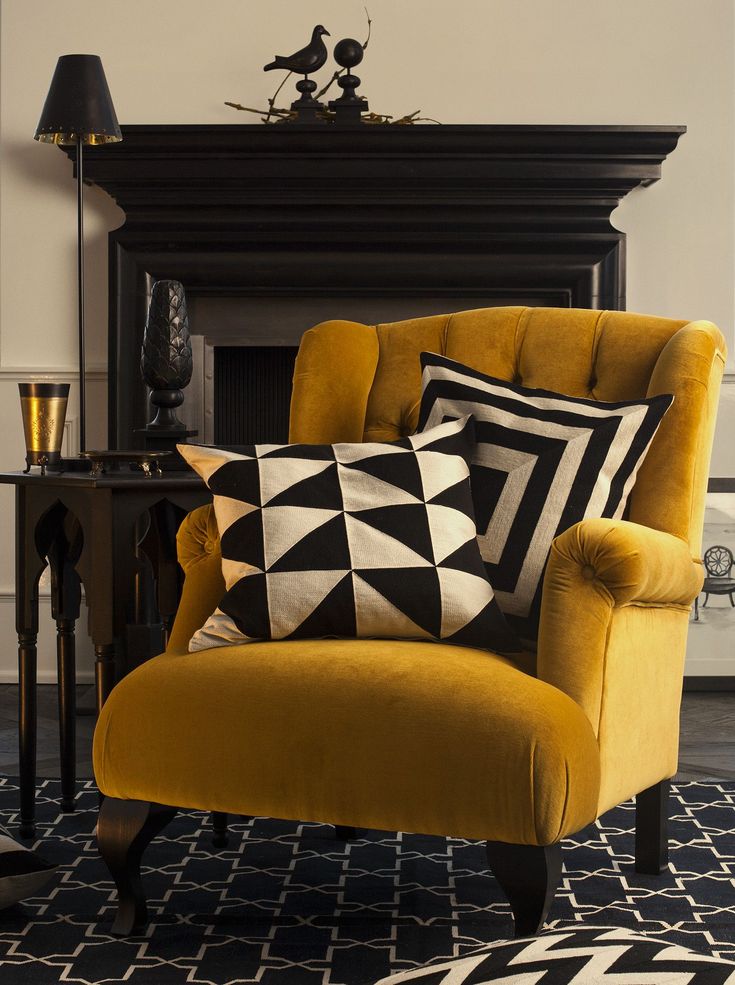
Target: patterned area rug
{"x": 285, "y": 904}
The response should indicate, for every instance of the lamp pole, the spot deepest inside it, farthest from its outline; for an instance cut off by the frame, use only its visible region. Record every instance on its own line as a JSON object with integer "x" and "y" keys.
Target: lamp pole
{"x": 78, "y": 110}
{"x": 80, "y": 279}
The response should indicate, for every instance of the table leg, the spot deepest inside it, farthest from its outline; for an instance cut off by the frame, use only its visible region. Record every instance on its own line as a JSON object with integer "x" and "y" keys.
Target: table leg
{"x": 27, "y": 660}
{"x": 97, "y": 566}
{"x": 66, "y": 675}
{"x": 29, "y": 563}
{"x": 168, "y": 518}
{"x": 219, "y": 827}
{"x": 63, "y": 553}
{"x": 104, "y": 671}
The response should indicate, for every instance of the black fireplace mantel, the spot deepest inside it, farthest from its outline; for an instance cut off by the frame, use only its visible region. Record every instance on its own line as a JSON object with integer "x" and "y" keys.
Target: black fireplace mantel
{"x": 479, "y": 214}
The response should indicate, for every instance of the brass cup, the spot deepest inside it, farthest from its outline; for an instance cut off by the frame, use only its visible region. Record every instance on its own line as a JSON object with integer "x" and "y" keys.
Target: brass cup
{"x": 43, "y": 406}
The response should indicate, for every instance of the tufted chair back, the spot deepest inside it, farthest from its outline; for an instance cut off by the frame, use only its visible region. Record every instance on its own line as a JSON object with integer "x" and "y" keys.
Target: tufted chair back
{"x": 356, "y": 382}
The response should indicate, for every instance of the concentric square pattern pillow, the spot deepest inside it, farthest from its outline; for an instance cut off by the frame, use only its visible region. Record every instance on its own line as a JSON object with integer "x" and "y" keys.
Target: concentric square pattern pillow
{"x": 351, "y": 540}
{"x": 542, "y": 462}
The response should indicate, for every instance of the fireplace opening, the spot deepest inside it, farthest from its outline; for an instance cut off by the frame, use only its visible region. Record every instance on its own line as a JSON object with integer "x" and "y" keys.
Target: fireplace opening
{"x": 244, "y": 349}
{"x": 252, "y": 393}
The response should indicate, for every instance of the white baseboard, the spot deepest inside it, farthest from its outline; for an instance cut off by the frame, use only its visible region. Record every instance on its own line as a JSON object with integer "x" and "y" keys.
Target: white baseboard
{"x": 46, "y": 673}
{"x": 45, "y": 677}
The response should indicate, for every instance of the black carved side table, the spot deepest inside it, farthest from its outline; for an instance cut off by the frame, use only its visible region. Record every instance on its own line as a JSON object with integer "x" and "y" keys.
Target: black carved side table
{"x": 115, "y": 535}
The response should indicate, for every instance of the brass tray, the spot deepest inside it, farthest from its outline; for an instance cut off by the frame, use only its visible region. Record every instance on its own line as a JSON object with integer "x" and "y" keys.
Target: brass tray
{"x": 111, "y": 460}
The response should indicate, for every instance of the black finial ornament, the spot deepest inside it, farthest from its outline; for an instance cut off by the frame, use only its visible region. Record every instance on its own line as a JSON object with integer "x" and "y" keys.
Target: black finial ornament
{"x": 166, "y": 359}
{"x": 166, "y": 365}
{"x": 349, "y": 106}
{"x": 304, "y": 62}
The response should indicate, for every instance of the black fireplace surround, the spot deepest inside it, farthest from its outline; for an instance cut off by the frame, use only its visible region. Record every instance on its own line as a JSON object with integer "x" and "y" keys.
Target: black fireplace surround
{"x": 451, "y": 216}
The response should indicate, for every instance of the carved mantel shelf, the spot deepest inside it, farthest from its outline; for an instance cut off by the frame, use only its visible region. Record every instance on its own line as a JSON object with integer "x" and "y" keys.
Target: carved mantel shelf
{"x": 256, "y": 164}
{"x": 463, "y": 214}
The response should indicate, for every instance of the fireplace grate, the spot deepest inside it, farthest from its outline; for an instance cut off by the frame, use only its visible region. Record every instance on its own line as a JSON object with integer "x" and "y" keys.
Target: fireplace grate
{"x": 252, "y": 393}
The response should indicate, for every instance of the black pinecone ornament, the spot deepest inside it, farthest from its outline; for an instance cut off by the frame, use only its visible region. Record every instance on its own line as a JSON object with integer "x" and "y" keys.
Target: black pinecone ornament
{"x": 166, "y": 360}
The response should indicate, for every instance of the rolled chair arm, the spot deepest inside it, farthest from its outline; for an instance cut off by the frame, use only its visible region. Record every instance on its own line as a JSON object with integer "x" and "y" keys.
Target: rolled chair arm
{"x": 630, "y": 562}
{"x": 596, "y": 568}
{"x": 199, "y": 555}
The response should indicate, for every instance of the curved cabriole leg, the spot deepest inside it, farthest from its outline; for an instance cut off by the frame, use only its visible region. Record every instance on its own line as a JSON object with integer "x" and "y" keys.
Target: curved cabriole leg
{"x": 124, "y": 829}
{"x": 652, "y": 829}
{"x": 220, "y": 834}
{"x": 529, "y": 876}
{"x": 344, "y": 833}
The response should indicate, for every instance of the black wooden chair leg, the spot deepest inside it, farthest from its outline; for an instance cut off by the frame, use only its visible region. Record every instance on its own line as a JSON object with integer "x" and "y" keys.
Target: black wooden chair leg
{"x": 124, "y": 829}
{"x": 221, "y": 836}
{"x": 344, "y": 833}
{"x": 652, "y": 829}
{"x": 529, "y": 876}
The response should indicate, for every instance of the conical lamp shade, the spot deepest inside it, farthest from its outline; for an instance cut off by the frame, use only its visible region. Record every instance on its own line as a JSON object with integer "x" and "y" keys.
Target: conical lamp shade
{"x": 78, "y": 104}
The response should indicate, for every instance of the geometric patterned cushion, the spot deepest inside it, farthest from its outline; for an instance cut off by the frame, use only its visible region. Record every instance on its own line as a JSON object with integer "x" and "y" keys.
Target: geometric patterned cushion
{"x": 543, "y": 462}
{"x": 350, "y": 540}
{"x": 577, "y": 956}
{"x": 22, "y": 872}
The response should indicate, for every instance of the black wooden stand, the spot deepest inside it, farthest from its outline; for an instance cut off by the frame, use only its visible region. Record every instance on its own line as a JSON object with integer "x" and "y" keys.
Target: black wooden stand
{"x": 89, "y": 532}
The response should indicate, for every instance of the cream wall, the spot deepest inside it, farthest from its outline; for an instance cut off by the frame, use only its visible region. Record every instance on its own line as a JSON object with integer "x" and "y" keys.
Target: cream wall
{"x": 472, "y": 61}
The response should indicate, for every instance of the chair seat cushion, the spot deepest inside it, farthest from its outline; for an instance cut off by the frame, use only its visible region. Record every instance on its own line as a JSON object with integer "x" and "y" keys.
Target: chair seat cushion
{"x": 719, "y": 586}
{"x": 414, "y": 736}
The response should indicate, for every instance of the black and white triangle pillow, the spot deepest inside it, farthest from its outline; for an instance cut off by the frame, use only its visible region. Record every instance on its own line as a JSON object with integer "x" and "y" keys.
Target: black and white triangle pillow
{"x": 542, "y": 462}
{"x": 350, "y": 540}
{"x": 575, "y": 956}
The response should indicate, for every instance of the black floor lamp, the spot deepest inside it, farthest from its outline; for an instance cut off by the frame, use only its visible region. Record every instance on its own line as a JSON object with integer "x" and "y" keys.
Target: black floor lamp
{"x": 78, "y": 110}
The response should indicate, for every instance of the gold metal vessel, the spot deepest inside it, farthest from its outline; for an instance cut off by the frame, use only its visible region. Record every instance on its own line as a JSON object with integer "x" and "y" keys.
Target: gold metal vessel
{"x": 43, "y": 407}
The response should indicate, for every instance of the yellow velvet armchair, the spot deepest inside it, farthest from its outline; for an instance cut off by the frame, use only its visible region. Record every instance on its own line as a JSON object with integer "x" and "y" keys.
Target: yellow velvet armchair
{"x": 428, "y": 737}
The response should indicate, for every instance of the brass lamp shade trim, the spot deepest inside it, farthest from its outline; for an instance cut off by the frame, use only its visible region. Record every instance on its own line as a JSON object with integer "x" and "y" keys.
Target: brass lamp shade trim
{"x": 43, "y": 408}
{"x": 69, "y": 137}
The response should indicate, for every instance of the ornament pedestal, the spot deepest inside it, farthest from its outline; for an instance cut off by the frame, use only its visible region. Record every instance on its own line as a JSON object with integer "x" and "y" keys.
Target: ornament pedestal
{"x": 166, "y": 439}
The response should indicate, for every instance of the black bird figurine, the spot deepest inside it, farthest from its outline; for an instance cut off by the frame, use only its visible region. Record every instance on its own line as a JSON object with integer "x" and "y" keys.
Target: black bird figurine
{"x": 306, "y": 60}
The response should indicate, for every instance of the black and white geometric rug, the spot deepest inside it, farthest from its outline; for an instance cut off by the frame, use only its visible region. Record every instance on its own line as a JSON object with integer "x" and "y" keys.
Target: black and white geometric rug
{"x": 285, "y": 904}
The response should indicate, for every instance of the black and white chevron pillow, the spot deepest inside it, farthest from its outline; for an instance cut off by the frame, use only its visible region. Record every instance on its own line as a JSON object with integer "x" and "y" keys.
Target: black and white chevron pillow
{"x": 579, "y": 956}
{"x": 350, "y": 540}
{"x": 542, "y": 463}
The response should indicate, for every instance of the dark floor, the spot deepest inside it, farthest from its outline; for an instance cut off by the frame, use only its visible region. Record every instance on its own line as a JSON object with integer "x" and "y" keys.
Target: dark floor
{"x": 707, "y": 743}
{"x": 707, "y": 734}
